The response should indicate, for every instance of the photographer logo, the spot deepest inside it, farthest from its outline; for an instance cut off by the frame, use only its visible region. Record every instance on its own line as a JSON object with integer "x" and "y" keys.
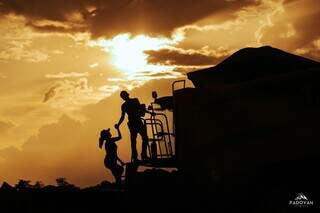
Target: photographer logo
{"x": 301, "y": 201}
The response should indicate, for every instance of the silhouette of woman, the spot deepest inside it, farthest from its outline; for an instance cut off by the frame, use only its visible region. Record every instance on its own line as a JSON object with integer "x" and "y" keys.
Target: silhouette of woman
{"x": 111, "y": 159}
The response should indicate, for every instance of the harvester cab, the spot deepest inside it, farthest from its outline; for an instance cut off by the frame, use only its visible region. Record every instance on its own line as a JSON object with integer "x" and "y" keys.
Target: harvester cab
{"x": 161, "y": 133}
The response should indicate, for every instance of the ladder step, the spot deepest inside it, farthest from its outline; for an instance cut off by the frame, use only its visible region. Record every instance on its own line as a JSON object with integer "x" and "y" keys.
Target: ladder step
{"x": 164, "y": 133}
{"x": 155, "y": 139}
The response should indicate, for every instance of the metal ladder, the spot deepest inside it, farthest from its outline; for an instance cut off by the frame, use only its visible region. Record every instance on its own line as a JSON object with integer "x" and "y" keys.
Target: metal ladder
{"x": 160, "y": 143}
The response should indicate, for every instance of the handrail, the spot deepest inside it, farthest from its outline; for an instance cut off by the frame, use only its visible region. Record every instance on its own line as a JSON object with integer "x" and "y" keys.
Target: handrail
{"x": 174, "y": 107}
{"x": 168, "y": 131}
{"x": 155, "y": 133}
{"x": 164, "y": 133}
{"x": 178, "y": 81}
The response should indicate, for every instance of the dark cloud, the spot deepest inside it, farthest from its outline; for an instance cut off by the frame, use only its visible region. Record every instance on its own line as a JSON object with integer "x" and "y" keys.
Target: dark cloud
{"x": 50, "y": 93}
{"x": 67, "y": 88}
{"x": 111, "y": 17}
{"x": 57, "y": 10}
{"x": 51, "y": 27}
{"x": 182, "y": 57}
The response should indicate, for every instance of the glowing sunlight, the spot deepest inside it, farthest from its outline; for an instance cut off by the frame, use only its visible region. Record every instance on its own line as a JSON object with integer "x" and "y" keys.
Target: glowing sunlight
{"x": 128, "y": 52}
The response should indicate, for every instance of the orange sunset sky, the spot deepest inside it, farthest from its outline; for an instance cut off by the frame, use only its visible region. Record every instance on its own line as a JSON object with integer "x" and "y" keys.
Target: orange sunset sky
{"x": 63, "y": 63}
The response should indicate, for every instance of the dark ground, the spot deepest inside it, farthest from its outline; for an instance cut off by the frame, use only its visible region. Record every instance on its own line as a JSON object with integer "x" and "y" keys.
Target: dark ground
{"x": 161, "y": 191}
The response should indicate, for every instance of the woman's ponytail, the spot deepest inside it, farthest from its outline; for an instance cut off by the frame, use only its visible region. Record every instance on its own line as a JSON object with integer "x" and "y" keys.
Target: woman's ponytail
{"x": 101, "y": 140}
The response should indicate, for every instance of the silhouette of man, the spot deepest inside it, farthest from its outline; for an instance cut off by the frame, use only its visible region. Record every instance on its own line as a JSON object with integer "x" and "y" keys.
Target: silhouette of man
{"x": 133, "y": 109}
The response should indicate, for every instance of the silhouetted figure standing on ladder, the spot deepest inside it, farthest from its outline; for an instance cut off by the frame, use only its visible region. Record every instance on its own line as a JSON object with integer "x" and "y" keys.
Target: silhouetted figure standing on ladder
{"x": 111, "y": 159}
{"x": 135, "y": 111}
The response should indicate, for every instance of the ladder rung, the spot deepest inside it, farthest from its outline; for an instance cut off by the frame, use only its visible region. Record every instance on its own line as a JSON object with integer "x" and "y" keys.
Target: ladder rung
{"x": 164, "y": 133}
{"x": 155, "y": 139}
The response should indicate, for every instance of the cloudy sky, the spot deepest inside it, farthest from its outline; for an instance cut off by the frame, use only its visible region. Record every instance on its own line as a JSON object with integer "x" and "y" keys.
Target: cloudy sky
{"x": 63, "y": 63}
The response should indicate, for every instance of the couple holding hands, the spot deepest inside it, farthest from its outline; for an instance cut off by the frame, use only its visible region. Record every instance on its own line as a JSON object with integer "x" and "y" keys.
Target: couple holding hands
{"x": 135, "y": 111}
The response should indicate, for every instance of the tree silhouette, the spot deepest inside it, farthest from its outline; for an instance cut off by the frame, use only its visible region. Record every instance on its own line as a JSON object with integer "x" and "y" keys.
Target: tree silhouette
{"x": 23, "y": 185}
{"x": 62, "y": 182}
{"x": 38, "y": 185}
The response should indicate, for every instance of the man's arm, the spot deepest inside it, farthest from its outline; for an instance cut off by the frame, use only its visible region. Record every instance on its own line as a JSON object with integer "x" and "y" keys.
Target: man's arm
{"x": 121, "y": 118}
{"x": 119, "y": 134}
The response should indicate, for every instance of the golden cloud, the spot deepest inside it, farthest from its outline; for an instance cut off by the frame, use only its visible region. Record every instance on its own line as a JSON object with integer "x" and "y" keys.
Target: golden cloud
{"x": 70, "y": 95}
{"x": 311, "y": 51}
{"x": 5, "y": 126}
{"x": 68, "y": 75}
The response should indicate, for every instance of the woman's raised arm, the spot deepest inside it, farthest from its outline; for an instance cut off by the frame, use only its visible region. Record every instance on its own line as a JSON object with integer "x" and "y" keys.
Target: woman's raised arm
{"x": 119, "y": 133}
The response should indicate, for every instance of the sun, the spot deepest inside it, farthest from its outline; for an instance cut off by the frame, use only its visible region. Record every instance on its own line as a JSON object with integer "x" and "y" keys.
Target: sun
{"x": 129, "y": 55}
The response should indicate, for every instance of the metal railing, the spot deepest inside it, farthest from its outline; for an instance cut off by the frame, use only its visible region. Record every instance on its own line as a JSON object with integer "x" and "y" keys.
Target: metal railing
{"x": 160, "y": 137}
{"x": 174, "y": 108}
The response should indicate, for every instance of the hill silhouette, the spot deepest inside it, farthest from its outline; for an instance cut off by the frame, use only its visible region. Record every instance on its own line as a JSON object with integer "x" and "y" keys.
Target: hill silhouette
{"x": 251, "y": 64}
